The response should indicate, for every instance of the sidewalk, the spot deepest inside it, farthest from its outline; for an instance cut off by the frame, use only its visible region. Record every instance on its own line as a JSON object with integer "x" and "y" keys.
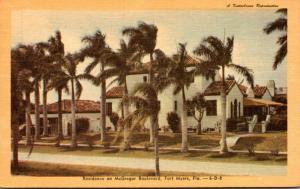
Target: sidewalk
{"x": 216, "y": 168}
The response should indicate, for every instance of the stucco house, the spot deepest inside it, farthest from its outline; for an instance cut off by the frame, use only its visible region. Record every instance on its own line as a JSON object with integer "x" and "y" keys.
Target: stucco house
{"x": 87, "y": 112}
{"x": 239, "y": 102}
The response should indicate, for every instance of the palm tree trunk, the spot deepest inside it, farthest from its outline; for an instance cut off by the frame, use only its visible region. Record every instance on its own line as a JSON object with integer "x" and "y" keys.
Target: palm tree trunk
{"x": 28, "y": 121}
{"x": 37, "y": 110}
{"x": 74, "y": 139}
{"x": 59, "y": 129}
{"x": 15, "y": 136}
{"x": 126, "y": 144}
{"x": 223, "y": 143}
{"x": 45, "y": 119}
{"x": 152, "y": 119}
{"x": 184, "y": 133}
{"x": 199, "y": 132}
{"x": 156, "y": 147}
{"x": 103, "y": 107}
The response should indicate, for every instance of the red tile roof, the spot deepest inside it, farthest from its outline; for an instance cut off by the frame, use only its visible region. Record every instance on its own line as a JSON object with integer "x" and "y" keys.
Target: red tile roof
{"x": 259, "y": 91}
{"x": 82, "y": 106}
{"x": 215, "y": 87}
{"x": 115, "y": 92}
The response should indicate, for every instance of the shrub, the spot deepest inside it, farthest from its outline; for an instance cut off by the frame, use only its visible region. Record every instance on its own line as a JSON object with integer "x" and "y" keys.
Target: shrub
{"x": 278, "y": 123}
{"x": 114, "y": 118}
{"x": 173, "y": 121}
{"x": 235, "y": 124}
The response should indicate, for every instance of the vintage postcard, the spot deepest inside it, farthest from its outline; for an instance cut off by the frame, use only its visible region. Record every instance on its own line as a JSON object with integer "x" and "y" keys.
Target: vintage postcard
{"x": 142, "y": 93}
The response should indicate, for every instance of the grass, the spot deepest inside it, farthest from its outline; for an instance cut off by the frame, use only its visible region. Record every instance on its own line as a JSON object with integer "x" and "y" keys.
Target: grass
{"x": 203, "y": 141}
{"x": 173, "y": 155}
{"x": 55, "y": 169}
{"x": 264, "y": 142}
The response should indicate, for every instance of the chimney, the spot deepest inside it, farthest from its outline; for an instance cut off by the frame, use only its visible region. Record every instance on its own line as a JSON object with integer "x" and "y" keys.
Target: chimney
{"x": 271, "y": 87}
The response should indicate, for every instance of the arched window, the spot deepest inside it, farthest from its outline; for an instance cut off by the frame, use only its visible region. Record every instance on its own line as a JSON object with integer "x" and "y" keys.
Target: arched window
{"x": 235, "y": 108}
{"x": 231, "y": 110}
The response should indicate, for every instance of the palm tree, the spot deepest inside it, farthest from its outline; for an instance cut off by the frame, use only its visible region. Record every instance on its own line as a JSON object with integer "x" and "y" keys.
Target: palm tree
{"x": 197, "y": 103}
{"x": 148, "y": 108}
{"x": 123, "y": 62}
{"x": 55, "y": 76}
{"x": 97, "y": 49}
{"x": 279, "y": 24}
{"x": 70, "y": 66}
{"x": 38, "y": 70}
{"x": 59, "y": 82}
{"x": 181, "y": 78}
{"x": 217, "y": 53}
{"x": 143, "y": 37}
{"x": 22, "y": 58}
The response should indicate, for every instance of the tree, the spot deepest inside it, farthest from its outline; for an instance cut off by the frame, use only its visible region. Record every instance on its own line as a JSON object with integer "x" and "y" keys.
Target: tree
{"x": 143, "y": 37}
{"x": 148, "y": 109}
{"x": 197, "y": 103}
{"x": 70, "y": 66}
{"x": 214, "y": 52}
{"x": 122, "y": 64}
{"x": 97, "y": 49}
{"x": 280, "y": 24}
{"x": 57, "y": 75}
{"x": 53, "y": 60}
{"x": 38, "y": 69}
{"x": 22, "y": 58}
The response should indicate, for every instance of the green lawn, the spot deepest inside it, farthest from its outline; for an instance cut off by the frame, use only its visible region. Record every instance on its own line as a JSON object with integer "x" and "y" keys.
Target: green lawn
{"x": 264, "y": 142}
{"x": 204, "y": 141}
{"x": 176, "y": 155}
{"x": 51, "y": 169}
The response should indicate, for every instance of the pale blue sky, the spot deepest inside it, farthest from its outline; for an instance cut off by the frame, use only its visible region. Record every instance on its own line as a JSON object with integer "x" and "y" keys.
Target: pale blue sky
{"x": 252, "y": 47}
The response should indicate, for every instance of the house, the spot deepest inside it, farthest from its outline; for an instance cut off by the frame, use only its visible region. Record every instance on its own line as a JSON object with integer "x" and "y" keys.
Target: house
{"x": 87, "y": 115}
{"x": 240, "y": 101}
{"x": 173, "y": 103}
{"x": 260, "y": 100}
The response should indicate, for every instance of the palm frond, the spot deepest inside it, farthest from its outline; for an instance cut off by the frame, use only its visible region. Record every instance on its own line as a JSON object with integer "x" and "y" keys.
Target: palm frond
{"x": 91, "y": 66}
{"x": 145, "y": 89}
{"x": 244, "y": 71}
{"x": 78, "y": 88}
{"x": 279, "y": 24}
{"x": 280, "y": 55}
{"x": 282, "y": 11}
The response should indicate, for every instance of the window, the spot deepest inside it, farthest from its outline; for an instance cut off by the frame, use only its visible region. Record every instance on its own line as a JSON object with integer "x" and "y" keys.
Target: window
{"x": 175, "y": 105}
{"x": 145, "y": 79}
{"x": 108, "y": 108}
{"x": 211, "y": 108}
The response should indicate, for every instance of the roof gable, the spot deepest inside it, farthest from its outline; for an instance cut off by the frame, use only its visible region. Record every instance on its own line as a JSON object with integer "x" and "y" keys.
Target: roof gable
{"x": 215, "y": 87}
{"x": 115, "y": 92}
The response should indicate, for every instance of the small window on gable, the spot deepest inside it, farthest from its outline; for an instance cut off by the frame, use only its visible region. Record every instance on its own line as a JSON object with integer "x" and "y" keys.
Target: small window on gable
{"x": 211, "y": 108}
{"x": 175, "y": 105}
{"x": 145, "y": 78}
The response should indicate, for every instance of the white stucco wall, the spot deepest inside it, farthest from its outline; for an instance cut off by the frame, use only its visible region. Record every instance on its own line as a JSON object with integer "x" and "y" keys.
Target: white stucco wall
{"x": 267, "y": 95}
{"x": 94, "y": 120}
